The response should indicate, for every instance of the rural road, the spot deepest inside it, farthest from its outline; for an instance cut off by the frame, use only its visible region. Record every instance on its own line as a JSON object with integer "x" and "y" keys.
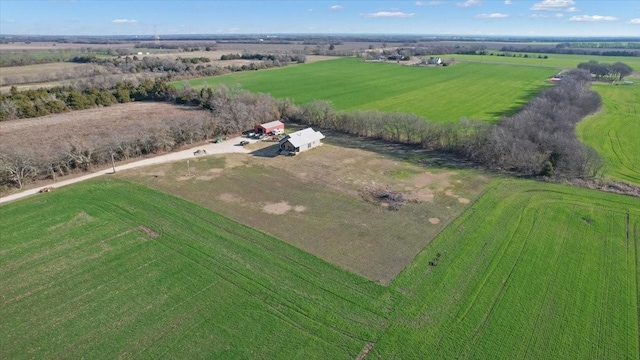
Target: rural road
{"x": 225, "y": 147}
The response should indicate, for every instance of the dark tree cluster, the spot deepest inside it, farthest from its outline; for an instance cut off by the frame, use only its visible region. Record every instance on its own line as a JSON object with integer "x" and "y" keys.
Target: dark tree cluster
{"x": 282, "y": 58}
{"x": 41, "y": 102}
{"x": 541, "y": 139}
{"x": 179, "y": 45}
{"x": 615, "y": 71}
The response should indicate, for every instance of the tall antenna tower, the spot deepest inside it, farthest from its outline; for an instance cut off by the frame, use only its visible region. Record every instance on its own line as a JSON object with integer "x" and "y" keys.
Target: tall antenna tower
{"x": 156, "y": 37}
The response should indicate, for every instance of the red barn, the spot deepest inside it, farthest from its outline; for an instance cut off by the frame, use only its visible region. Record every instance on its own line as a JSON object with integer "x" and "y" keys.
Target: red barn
{"x": 269, "y": 127}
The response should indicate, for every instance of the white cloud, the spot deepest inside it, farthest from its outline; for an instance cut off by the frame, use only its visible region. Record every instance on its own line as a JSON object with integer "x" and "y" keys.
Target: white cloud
{"x": 469, "y": 3}
{"x": 124, "y": 21}
{"x": 508, "y": 2}
{"x": 592, "y": 18}
{"x": 335, "y": 7}
{"x": 635, "y": 21}
{"x": 389, "y": 14}
{"x": 492, "y": 16}
{"x": 552, "y": 5}
{"x": 572, "y": 9}
{"x": 546, "y": 16}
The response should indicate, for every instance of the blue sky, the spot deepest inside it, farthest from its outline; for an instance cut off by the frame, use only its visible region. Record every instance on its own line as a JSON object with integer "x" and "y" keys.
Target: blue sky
{"x": 461, "y": 17}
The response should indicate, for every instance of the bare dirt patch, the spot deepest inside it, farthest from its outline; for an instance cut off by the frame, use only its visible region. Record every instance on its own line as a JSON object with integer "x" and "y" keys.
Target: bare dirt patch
{"x": 280, "y": 208}
{"x": 148, "y": 231}
{"x": 227, "y": 197}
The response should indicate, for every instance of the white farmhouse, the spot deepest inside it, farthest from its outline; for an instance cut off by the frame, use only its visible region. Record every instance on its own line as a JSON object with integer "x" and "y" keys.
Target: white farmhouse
{"x": 301, "y": 140}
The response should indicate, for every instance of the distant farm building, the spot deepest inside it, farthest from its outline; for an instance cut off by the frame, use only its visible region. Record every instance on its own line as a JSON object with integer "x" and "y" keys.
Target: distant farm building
{"x": 301, "y": 140}
{"x": 269, "y": 128}
{"x": 434, "y": 61}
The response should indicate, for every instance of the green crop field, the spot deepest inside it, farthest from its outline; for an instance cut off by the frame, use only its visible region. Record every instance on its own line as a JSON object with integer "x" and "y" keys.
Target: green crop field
{"x": 111, "y": 269}
{"x": 114, "y": 269}
{"x": 615, "y": 130}
{"x": 559, "y": 61}
{"x": 530, "y": 271}
{"x": 442, "y": 94}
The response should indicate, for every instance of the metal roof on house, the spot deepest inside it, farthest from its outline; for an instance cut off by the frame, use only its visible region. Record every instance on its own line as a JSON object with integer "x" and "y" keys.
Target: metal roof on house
{"x": 272, "y": 124}
{"x": 303, "y": 137}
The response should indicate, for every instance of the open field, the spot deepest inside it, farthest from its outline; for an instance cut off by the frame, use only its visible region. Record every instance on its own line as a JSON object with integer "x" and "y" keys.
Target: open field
{"x": 615, "y": 130}
{"x": 111, "y": 269}
{"x": 530, "y": 271}
{"x": 90, "y": 122}
{"x": 41, "y": 72}
{"x": 441, "y": 94}
{"x": 319, "y": 201}
{"x": 560, "y": 61}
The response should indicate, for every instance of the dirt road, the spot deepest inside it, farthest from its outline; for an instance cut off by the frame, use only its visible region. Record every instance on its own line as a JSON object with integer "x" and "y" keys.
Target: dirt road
{"x": 225, "y": 147}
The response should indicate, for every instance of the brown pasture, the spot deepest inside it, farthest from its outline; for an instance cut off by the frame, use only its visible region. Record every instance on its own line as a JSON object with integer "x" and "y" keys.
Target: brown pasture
{"x": 316, "y": 201}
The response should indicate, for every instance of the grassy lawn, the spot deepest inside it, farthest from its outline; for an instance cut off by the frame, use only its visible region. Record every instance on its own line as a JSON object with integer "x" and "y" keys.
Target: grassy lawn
{"x": 615, "y": 130}
{"x": 531, "y": 270}
{"x": 442, "y": 94}
{"x": 112, "y": 269}
{"x": 315, "y": 201}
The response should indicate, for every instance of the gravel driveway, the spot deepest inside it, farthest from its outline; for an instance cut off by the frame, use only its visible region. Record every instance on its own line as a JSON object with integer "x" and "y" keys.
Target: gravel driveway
{"x": 225, "y": 147}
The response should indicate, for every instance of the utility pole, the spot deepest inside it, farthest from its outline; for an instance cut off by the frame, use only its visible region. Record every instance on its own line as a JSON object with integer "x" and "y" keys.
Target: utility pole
{"x": 113, "y": 163}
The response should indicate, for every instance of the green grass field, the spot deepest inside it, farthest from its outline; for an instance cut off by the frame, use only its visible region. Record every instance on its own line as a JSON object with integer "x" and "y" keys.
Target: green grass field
{"x": 559, "y": 61}
{"x": 615, "y": 130}
{"x": 443, "y": 94}
{"x": 112, "y": 269}
{"x": 530, "y": 271}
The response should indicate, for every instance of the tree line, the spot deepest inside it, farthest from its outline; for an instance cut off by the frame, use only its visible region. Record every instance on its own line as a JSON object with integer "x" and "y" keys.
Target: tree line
{"x": 41, "y": 102}
{"x": 537, "y": 141}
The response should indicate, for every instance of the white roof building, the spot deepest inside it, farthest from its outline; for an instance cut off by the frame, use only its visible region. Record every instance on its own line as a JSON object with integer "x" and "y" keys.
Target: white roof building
{"x": 301, "y": 140}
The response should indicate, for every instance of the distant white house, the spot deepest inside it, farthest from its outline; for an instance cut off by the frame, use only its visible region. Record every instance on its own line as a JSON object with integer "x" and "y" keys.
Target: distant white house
{"x": 301, "y": 140}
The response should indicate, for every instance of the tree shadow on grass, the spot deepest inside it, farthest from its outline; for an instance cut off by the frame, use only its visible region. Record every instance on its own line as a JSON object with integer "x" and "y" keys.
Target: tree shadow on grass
{"x": 518, "y": 104}
{"x": 410, "y": 153}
